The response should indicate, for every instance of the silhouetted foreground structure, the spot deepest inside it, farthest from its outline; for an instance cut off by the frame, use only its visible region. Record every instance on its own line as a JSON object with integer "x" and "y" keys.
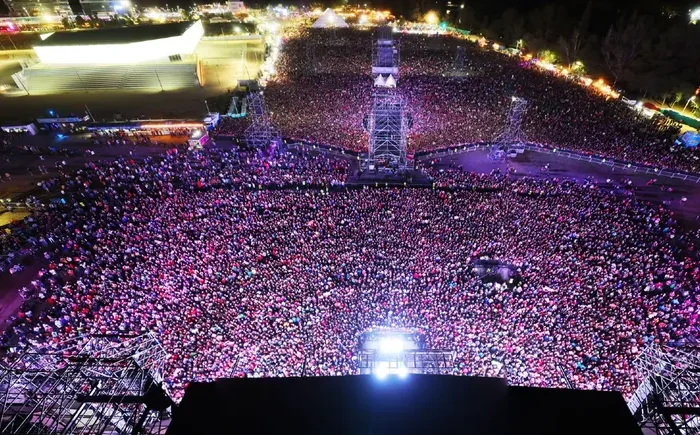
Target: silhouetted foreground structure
{"x": 417, "y": 404}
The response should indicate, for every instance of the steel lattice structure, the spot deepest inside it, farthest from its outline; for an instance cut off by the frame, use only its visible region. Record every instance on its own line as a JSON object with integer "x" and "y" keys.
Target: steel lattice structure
{"x": 388, "y": 122}
{"x": 512, "y": 134}
{"x": 415, "y": 361}
{"x": 388, "y": 125}
{"x": 386, "y": 54}
{"x": 311, "y": 66}
{"x": 88, "y": 385}
{"x": 459, "y": 59}
{"x": 667, "y": 400}
{"x": 260, "y": 133}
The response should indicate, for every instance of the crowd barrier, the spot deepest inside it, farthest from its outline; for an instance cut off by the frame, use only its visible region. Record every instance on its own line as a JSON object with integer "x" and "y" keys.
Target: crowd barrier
{"x": 483, "y": 146}
{"x": 590, "y": 158}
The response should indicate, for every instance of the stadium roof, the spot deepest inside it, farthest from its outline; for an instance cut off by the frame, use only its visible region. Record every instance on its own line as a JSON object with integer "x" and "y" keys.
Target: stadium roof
{"x": 123, "y": 35}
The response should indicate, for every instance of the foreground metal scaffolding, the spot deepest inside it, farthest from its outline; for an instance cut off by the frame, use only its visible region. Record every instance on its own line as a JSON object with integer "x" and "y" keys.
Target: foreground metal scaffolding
{"x": 668, "y": 399}
{"x": 431, "y": 362}
{"x": 88, "y": 385}
{"x": 512, "y": 135}
{"x": 260, "y": 133}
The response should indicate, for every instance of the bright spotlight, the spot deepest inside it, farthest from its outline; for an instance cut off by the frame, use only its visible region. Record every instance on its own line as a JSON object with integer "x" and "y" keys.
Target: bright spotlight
{"x": 695, "y": 15}
{"x": 402, "y": 372}
{"x": 391, "y": 345}
{"x": 432, "y": 18}
{"x": 381, "y": 373}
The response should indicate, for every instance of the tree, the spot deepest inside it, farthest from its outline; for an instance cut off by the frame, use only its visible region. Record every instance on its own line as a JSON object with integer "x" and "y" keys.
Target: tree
{"x": 622, "y": 45}
{"x": 67, "y": 23}
{"x": 467, "y": 18}
{"x": 79, "y": 20}
{"x": 571, "y": 47}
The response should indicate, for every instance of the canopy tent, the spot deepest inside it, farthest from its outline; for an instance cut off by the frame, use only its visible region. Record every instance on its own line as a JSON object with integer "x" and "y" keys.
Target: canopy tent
{"x": 329, "y": 19}
{"x": 683, "y": 119}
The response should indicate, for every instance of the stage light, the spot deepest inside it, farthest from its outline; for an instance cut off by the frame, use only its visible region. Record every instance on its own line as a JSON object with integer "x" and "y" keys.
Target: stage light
{"x": 432, "y": 18}
{"x": 402, "y": 372}
{"x": 391, "y": 345}
{"x": 381, "y": 373}
{"x": 695, "y": 15}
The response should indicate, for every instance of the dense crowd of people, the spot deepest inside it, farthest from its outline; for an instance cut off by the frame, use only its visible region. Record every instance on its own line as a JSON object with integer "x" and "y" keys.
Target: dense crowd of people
{"x": 323, "y": 91}
{"x": 246, "y": 264}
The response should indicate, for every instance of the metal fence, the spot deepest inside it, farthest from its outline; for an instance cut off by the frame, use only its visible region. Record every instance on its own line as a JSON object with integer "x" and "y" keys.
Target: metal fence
{"x": 611, "y": 163}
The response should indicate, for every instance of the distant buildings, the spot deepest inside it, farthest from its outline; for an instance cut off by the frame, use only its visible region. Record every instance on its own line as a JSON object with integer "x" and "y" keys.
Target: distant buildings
{"x": 98, "y": 7}
{"x": 39, "y": 7}
{"x": 233, "y": 7}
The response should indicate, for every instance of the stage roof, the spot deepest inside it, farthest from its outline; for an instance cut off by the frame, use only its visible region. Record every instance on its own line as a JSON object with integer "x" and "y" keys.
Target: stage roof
{"x": 419, "y": 404}
{"x": 123, "y": 35}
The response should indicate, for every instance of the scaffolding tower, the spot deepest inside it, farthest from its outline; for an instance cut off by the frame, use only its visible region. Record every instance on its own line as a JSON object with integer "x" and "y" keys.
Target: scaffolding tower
{"x": 512, "y": 134}
{"x": 388, "y": 121}
{"x": 667, "y": 400}
{"x": 459, "y": 59}
{"x": 388, "y": 125}
{"x": 260, "y": 133}
{"x": 312, "y": 66}
{"x": 87, "y": 385}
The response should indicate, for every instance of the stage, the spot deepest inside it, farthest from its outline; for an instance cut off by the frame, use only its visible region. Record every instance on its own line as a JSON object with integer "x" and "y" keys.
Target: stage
{"x": 417, "y": 404}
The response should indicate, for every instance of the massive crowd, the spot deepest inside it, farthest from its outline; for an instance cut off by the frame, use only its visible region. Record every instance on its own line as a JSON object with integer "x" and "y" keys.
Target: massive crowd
{"x": 323, "y": 91}
{"x": 252, "y": 265}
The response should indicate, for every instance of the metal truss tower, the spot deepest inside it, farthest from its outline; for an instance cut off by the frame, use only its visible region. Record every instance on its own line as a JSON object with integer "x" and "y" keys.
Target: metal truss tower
{"x": 260, "y": 133}
{"x": 428, "y": 362}
{"x": 388, "y": 126}
{"x": 459, "y": 60}
{"x": 311, "y": 66}
{"x": 388, "y": 122}
{"x": 87, "y": 385}
{"x": 512, "y": 135}
{"x": 668, "y": 399}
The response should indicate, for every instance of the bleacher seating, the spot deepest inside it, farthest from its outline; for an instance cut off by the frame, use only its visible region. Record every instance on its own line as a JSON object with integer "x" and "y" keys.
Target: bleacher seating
{"x": 41, "y": 79}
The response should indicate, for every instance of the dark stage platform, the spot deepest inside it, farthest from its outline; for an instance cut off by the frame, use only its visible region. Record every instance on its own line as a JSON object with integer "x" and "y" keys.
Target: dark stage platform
{"x": 419, "y": 404}
{"x": 381, "y": 178}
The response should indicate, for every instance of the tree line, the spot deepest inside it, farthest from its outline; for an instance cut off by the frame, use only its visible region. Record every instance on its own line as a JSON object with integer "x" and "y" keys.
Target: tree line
{"x": 650, "y": 55}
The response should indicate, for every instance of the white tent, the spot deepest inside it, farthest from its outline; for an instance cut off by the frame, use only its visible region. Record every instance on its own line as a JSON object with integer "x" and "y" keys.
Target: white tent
{"x": 380, "y": 82}
{"x": 329, "y": 19}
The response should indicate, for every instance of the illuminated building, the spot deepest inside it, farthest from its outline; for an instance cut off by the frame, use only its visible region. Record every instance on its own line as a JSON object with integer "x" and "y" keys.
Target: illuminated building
{"x": 121, "y": 46}
{"x": 156, "y": 57}
{"x": 39, "y": 7}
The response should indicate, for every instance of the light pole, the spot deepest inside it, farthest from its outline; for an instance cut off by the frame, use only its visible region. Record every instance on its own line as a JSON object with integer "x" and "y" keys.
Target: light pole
{"x": 688, "y": 102}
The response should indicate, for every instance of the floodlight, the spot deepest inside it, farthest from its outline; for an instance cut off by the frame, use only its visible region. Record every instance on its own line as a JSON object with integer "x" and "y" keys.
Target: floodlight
{"x": 391, "y": 345}
{"x": 381, "y": 373}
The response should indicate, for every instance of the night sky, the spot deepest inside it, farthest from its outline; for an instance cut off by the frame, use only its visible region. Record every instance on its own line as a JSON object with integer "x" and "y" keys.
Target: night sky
{"x": 491, "y": 8}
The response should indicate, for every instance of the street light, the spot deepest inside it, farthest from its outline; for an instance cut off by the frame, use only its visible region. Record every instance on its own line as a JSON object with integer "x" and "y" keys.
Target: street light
{"x": 688, "y": 102}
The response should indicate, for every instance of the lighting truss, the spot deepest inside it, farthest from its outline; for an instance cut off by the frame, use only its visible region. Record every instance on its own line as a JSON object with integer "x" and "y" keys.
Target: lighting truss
{"x": 388, "y": 125}
{"x": 414, "y": 361}
{"x": 260, "y": 133}
{"x": 667, "y": 400}
{"x": 311, "y": 66}
{"x": 87, "y": 385}
{"x": 386, "y": 54}
{"x": 512, "y": 134}
{"x": 459, "y": 59}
